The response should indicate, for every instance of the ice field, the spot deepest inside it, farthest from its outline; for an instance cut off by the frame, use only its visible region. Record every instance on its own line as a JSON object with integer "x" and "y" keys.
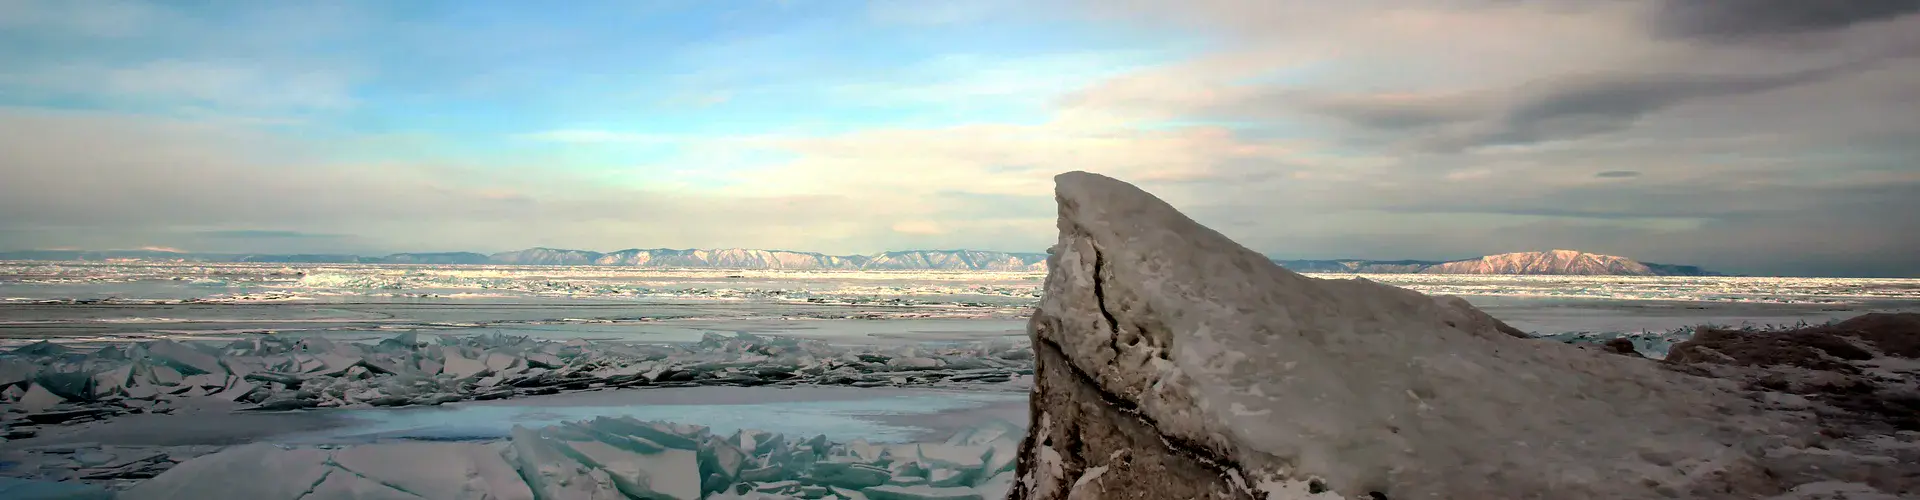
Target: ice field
{"x": 96, "y": 301}
{"x": 183, "y": 360}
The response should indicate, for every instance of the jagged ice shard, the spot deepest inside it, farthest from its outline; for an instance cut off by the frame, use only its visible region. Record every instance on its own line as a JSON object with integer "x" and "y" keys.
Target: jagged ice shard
{"x": 1174, "y": 363}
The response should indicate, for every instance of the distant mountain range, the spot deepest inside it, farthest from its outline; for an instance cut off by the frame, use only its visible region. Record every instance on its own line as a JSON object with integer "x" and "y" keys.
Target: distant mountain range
{"x": 1561, "y": 262}
{"x": 1555, "y": 262}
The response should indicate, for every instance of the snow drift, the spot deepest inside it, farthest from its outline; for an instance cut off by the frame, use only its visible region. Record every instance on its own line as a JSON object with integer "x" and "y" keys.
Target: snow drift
{"x": 1174, "y": 363}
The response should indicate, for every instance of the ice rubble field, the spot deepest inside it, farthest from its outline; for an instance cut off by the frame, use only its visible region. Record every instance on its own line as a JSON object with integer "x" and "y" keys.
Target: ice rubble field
{"x": 54, "y": 384}
{"x": 600, "y": 458}
{"x": 50, "y": 387}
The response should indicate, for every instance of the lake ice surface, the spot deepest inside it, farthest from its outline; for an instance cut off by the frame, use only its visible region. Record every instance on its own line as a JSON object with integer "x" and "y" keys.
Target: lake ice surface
{"x": 92, "y": 301}
{"x": 85, "y": 303}
{"x": 95, "y": 303}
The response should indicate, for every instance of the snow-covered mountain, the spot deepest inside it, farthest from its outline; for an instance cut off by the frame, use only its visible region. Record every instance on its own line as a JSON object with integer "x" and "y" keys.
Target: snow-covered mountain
{"x": 1550, "y": 262}
{"x": 1554, "y": 262}
{"x": 958, "y": 260}
{"x": 728, "y": 258}
{"x": 540, "y": 256}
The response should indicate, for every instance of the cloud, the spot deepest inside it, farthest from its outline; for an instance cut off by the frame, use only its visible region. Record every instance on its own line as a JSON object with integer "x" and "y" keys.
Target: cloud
{"x": 1546, "y": 109}
{"x": 1376, "y": 128}
{"x": 1008, "y": 159}
{"x": 918, "y": 227}
{"x": 1733, "y": 19}
{"x": 264, "y": 234}
{"x": 1469, "y": 127}
{"x": 204, "y": 185}
{"x": 1468, "y": 73}
{"x": 1583, "y": 106}
{"x": 1395, "y": 111}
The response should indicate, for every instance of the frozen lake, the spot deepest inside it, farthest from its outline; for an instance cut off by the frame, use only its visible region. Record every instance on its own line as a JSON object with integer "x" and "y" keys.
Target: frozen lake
{"x": 95, "y": 302}
{"x": 896, "y": 318}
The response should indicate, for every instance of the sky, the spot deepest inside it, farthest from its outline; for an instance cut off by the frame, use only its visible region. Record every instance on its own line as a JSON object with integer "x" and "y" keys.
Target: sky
{"x": 1748, "y": 136}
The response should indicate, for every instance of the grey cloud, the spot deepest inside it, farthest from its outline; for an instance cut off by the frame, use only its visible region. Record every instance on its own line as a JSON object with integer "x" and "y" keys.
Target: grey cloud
{"x": 1554, "y": 109}
{"x": 1584, "y": 106}
{"x": 1566, "y": 99}
{"x": 1634, "y": 95}
{"x": 1617, "y": 174}
{"x": 1547, "y": 110}
{"x": 1735, "y": 19}
{"x": 1384, "y": 112}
